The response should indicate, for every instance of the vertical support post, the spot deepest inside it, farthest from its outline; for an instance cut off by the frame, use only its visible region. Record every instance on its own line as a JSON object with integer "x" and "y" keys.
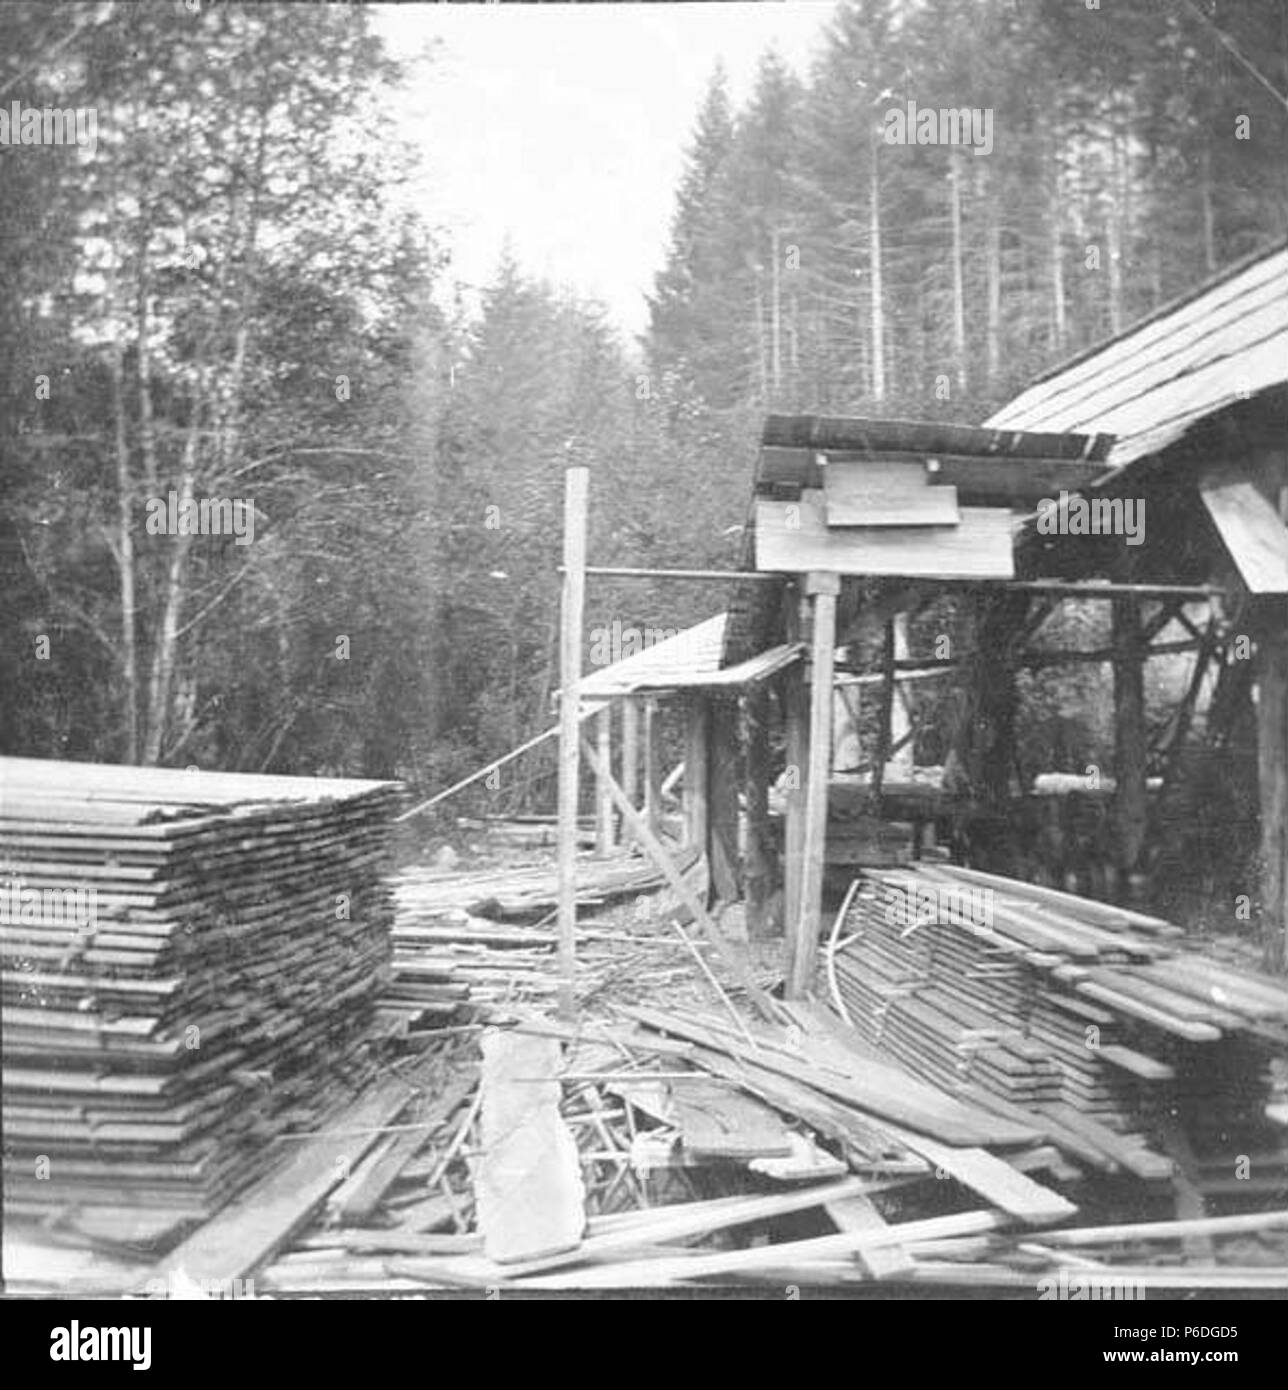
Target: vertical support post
{"x": 696, "y": 762}
{"x": 723, "y": 781}
{"x": 576, "y": 484}
{"x": 652, "y": 769}
{"x": 901, "y": 759}
{"x": 604, "y": 813}
{"x": 796, "y": 715}
{"x": 1272, "y": 778}
{"x": 1130, "y": 740}
{"x": 758, "y": 868}
{"x": 630, "y": 758}
{"x": 823, "y": 590}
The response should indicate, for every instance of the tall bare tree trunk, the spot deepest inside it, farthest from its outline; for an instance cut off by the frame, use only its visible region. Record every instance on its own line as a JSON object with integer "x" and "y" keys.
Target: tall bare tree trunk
{"x": 959, "y": 276}
{"x": 125, "y": 515}
{"x": 1059, "y": 305}
{"x": 878, "y": 305}
{"x": 776, "y": 318}
{"x": 125, "y": 558}
{"x": 994, "y": 270}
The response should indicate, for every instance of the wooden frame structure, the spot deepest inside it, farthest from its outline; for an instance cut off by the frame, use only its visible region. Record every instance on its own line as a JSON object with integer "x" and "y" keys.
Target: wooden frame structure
{"x": 854, "y": 519}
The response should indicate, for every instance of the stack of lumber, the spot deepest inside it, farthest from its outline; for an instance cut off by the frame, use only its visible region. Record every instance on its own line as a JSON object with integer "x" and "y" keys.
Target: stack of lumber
{"x": 531, "y": 891}
{"x": 1090, "y": 1017}
{"x": 213, "y": 986}
{"x": 446, "y": 957}
{"x": 447, "y": 961}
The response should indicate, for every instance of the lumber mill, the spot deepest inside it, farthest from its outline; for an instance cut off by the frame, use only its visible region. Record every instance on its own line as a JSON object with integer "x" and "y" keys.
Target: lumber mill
{"x": 767, "y": 995}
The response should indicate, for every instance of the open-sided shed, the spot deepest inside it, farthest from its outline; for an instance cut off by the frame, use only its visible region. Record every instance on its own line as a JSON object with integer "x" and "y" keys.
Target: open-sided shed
{"x": 1150, "y": 473}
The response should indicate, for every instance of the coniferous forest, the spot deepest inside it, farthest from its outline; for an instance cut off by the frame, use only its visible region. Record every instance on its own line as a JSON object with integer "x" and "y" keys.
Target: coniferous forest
{"x": 227, "y": 299}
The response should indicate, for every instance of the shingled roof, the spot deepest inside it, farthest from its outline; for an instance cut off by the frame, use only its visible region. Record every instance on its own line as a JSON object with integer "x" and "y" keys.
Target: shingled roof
{"x": 1221, "y": 343}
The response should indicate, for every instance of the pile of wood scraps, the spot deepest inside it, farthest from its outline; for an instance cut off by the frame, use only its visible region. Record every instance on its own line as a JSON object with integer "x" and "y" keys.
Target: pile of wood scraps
{"x": 524, "y": 893}
{"x": 1091, "y": 1019}
{"x": 659, "y": 1156}
{"x": 453, "y": 963}
{"x": 190, "y": 967}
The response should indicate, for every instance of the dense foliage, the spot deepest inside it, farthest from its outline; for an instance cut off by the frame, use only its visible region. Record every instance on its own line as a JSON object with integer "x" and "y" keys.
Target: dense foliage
{"x": 226, "y": 298}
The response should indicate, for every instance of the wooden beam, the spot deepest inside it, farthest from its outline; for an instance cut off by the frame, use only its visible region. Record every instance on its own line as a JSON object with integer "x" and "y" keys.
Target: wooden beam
{"x": 1086, "y": 588}
{"x": 724, "y": 785}
{"x": 759, "y": 869}
{"x": 604, "y": 837}
{"x": 249, "y": 1231}
{"x": 639, "y": 572}
{"x": 823, "y": 590}
{"x": 1250, "y": 530}
{"x": 656, "y": 851}
{"x": 1131, "y": 742}
{"x": 1272, "y": 776}
{"x": 576, "y": 487}
{"x": 794, "y": 537}
{"x": 796, "y": 714}
{"x": 630, "y": 752}
{"x": 697, "y": 771}
{"x": 652, "y": 768}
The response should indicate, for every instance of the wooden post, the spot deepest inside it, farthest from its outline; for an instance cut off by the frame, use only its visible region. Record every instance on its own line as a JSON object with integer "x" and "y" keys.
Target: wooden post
{"x": 630, "y": 755}
{"x": 796, "y": 714}
{"x": 723, "y": 784}
{"x": 823, "y": 589}
{"x": 576, "y": 483}
{"x": 603, "y": 802}
{"x": 1272, "y": 777}
{"x": 758, "y": 865}
{"x": 901, "y": 759}
{"x": 1130, "y": 740}
{"x": 652, "y": 769}
{"x": 697, "y": 730}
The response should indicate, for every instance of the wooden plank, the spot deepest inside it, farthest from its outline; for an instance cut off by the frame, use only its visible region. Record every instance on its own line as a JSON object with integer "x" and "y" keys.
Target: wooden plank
{"x": 994, "y": 1180}
{"x": 793, "y": 537}
{"x": 254, "y": 1227}
{"x": 635, "y": 1230}
{"x": 576, "y": 486}
{"x": 1130, "y": 1233}
{"x": 1272, "y": 778}
{"x": 604, "y": 837}
{"x": 1251, "y": 531}
{"x": 696, "y": 771}
{"x": 363, "y": 1198}
{"x": 646, "y": 1273}
{"x": 980, "y": 480}
{"x": 880, "y": 493}
{"x": 652, "y": 767}
{"x": 884, "y": 1091}
{"x": 858, "y": 1213}
{"x": 528, "y": 1186}
{"x": 717, "y": 1122}
{"x": 1131, "y": 737}
{"x": 796, "y": 717}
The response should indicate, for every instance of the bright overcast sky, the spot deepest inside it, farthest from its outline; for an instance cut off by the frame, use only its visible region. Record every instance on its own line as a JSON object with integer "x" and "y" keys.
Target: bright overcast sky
{"x": 564, "y": 127}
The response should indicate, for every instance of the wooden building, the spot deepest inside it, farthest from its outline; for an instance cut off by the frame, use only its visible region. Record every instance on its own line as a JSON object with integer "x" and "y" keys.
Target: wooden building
{"x": 1150, "y": 473}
